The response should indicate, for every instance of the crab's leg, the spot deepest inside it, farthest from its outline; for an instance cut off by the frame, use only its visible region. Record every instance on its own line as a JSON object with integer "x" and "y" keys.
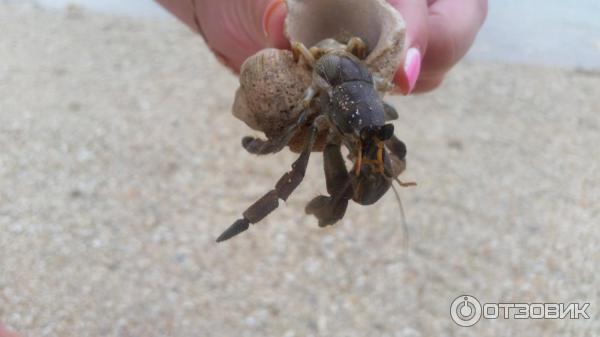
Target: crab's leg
{"x": 331, "y": 209}
{"x": 357, "y": 47}
{"x": 258, "y": 146}
{"x": 299, "y": 49}
{"x": 284, "y": 187}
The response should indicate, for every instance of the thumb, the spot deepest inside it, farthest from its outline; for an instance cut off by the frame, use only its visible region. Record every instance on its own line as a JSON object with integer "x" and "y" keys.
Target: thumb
{"x": 415, "y": 15}
{"x": 273, "y": 23}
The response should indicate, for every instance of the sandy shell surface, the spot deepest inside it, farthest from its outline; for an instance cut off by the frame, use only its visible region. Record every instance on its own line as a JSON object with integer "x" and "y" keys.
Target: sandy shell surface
{"x": 271, "y": 84}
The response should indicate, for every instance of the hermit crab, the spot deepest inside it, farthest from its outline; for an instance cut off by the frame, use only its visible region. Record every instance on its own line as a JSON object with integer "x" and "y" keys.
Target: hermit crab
{"x": 324, "y": 98}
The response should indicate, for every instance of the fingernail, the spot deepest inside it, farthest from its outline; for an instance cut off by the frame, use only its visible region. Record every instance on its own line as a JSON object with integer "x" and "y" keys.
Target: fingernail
{"x": 268, "y": 16}
{"x": 407, "y": 79}
{"x": 273, "y": 21}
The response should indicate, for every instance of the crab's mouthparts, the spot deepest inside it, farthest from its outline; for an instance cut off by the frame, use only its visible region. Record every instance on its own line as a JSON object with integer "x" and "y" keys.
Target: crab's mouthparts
{"x": 362, "y": 157}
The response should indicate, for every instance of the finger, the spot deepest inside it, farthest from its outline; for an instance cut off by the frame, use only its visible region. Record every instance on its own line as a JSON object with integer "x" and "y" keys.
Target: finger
{"x": 415, "y": 15}
{"x": 6, "y": 333}
{"x": 427, "y": 84}
{"x": 273, "y": 23}
{"x": 453, "y": 26}
{"x": 182, "y": 10}
{"x": 234, "y": 30}
{"x": 250, "y": 26}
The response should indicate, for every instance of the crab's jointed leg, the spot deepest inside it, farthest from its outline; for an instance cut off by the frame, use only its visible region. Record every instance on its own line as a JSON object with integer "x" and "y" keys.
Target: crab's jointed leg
{"x": 330, "y": 209}
{"x": 284, "y": 187}
{"x": 299, "y": 49}
{"x": 357, "y": 47}
{"x": 258, "y": 146}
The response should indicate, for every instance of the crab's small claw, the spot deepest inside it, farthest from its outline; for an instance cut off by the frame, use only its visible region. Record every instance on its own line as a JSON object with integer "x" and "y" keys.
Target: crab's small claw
{"x": 233, "y": 230}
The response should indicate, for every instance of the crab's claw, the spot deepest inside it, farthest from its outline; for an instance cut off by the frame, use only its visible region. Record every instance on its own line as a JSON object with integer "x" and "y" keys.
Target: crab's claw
{"x": 369, "y": 186}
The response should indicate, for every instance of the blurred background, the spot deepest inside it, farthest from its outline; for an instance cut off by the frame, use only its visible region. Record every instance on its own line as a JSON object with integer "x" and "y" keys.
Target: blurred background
{"x": 120, "y": 163}
{"x": 548, "y": 32}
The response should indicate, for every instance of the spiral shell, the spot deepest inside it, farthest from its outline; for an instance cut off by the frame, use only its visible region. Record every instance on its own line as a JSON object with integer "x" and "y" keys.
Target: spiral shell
{"x": 271, "y": 83}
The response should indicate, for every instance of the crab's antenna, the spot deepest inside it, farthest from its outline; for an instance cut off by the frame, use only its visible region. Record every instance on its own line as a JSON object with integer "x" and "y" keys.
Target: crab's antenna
{"x": 403, "y": 184}
{"x": 402, "y": 215}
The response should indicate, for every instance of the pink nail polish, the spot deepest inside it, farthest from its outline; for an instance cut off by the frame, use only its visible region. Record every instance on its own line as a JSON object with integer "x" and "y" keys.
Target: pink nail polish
{"x": 412, "y": 68}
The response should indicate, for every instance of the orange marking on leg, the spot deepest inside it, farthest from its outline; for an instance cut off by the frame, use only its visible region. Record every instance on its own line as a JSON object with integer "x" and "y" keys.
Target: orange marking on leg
{"x": 380, "y": 157}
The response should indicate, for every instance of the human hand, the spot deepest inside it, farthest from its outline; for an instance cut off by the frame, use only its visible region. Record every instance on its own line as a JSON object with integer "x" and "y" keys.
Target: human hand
{"x": 438, "y": 32}
{"x": 5, "y": 332}
{"x": 234, "y": 29}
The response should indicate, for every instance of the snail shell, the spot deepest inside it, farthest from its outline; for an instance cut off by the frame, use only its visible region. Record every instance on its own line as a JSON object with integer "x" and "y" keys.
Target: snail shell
{"x": 271, "y": 83}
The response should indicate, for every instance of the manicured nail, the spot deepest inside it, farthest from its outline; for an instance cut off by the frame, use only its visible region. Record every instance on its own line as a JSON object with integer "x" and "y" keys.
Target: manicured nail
{"x": 407, "y": 79}
{"x": 271, "y": 14}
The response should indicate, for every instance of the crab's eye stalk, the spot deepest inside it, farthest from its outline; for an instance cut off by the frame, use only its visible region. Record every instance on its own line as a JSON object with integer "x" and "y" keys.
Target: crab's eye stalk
{"x": 386, "y": 132}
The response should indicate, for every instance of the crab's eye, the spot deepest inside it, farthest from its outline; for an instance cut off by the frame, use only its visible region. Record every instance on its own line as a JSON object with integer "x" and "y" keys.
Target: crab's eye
{"x": 365, "y": 134}
{"x": 386, "y": 132}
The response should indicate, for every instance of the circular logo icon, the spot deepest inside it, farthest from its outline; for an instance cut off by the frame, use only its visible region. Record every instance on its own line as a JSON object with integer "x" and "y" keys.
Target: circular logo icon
{"x": 465, "y": 310}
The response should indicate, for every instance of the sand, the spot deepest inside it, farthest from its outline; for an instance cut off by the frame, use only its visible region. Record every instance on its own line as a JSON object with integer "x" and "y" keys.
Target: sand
{"x": 120, "y": 163}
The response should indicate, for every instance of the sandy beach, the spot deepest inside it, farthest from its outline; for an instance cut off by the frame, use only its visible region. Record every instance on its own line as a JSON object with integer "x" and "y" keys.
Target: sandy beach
{"x": 120, "y": 163}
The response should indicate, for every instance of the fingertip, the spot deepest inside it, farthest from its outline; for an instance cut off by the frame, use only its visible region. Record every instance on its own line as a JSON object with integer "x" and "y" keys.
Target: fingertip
{"x": 406, "y": 77}
{"x": 426, "y": 85}
{"x": 401, "y": 82}
{"x": 415, "y": 15}
{"x": 453, "y": 28}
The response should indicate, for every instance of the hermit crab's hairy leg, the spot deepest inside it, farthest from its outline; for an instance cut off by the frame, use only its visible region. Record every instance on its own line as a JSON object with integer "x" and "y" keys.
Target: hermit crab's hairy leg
{"x": 299, "y": 49}
{"x": 284, "y": 187}
{"x": 389, "y": 112}
{"x": 330, "y": 209}
{"x": 357, "y": 47}
{"x": 273, "y": 145}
